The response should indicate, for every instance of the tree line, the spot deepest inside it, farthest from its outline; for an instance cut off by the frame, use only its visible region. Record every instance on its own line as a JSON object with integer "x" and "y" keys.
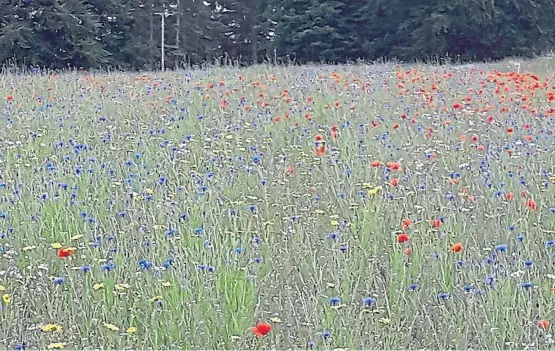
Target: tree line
{"x": 125, "y": 34}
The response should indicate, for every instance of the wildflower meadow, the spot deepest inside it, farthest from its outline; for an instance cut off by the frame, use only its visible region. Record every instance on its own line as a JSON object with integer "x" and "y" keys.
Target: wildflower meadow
{"x": 313, "y": 207}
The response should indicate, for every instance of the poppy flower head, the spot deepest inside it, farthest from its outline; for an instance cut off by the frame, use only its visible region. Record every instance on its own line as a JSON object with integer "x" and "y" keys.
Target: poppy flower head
{"x": 320, "y": 150}
{"x": 261, "y": 329}
{"x": 456, "y": 247}
{"x": 65, "y": 252}
{"x": 543, "y": 324}
{"x": 531, "y": 204}
{"x": 393, "y": 166}
{"x": 401, "y": 238}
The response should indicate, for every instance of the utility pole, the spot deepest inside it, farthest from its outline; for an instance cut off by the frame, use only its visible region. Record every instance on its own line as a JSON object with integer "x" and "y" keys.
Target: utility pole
{"x": 177, "y": 33}
{"x": 164, "y": 15}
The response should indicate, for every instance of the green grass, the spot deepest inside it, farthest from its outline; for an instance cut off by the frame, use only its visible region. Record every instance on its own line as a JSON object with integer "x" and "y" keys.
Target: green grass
{"x": 164, "y": 172}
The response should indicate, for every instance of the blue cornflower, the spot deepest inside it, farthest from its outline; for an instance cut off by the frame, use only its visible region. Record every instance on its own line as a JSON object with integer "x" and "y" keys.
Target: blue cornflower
{"x": 528, "y": 263}
{"x": 413, "y": 287}
{"x": 489, "y": 280}
{"x": 107, "y": 267}
{"x": 85, "y": 269}
{"x": 325, "y": 334}
{"x": 334, "y": 301}
{"x": 198, "y": 231}
{"x": 526, "y": 285}
{"x": 443, "y": 296}
{"x": 501, "y": 248}
{"x": 58, "y": 280}
{"x": 368, "y": 301}
{"x": 144, "y": 264}
{"x": 468, "y": 288}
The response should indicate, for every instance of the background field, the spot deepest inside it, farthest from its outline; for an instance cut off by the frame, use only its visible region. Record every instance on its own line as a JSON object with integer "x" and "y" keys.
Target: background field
{"x": 200, "y": 203}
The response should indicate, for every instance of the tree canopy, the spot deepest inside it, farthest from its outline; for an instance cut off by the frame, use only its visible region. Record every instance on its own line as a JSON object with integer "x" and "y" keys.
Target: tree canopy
{"x": 126, "y": 33}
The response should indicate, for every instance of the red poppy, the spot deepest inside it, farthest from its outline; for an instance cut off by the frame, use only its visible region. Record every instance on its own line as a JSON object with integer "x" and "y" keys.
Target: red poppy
{"x": 406, "y": 223}
{"x": 261, "y": 329}
{"x": 376, "y": 164}
{"x": 456, "y": 247}
{"x": 65, "y": 252}
{"x": 510, "y": 130}
{"x": 318, "y": 137}
{"x": 395, "y": 182}
{"x": 320, "y": 150}
{"x": 401, "y": 238}
{"x": 509, "y": 196}
{"x": 393, "y": 166}
{"x": 436, "y": 223}
{"x": 543, "y": 324}
{"x": 407, "y": 251}
{"x": 531, "y": 204}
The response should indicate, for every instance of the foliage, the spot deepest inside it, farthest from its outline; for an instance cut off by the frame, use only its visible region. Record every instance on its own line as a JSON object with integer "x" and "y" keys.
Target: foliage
{"x": 126, "y": 34}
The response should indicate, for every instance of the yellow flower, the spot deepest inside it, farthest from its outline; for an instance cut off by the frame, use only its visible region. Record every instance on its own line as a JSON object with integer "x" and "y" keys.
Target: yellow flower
{"x": 275, "y": 320}
{"x": 98, "y": 286}
{"x": 121, "y": 287}
{"x": 7, "y": 298}
{"x": 156, "y": 298}
{"x": 166, "y": 284}
{"x": 56, "y": 246}
{"x": 131, "y": 330}
{"x": 110, "y": 326}
{"x": 76, "y": 237}
{"x": 51, "y": 327}
{"x": 149, "y": 191}
{"x": 385, "y": 321}
{"x": 56, "y": 345}
{"x": 374, "y": 191}
{"x": 334, "y": 223}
